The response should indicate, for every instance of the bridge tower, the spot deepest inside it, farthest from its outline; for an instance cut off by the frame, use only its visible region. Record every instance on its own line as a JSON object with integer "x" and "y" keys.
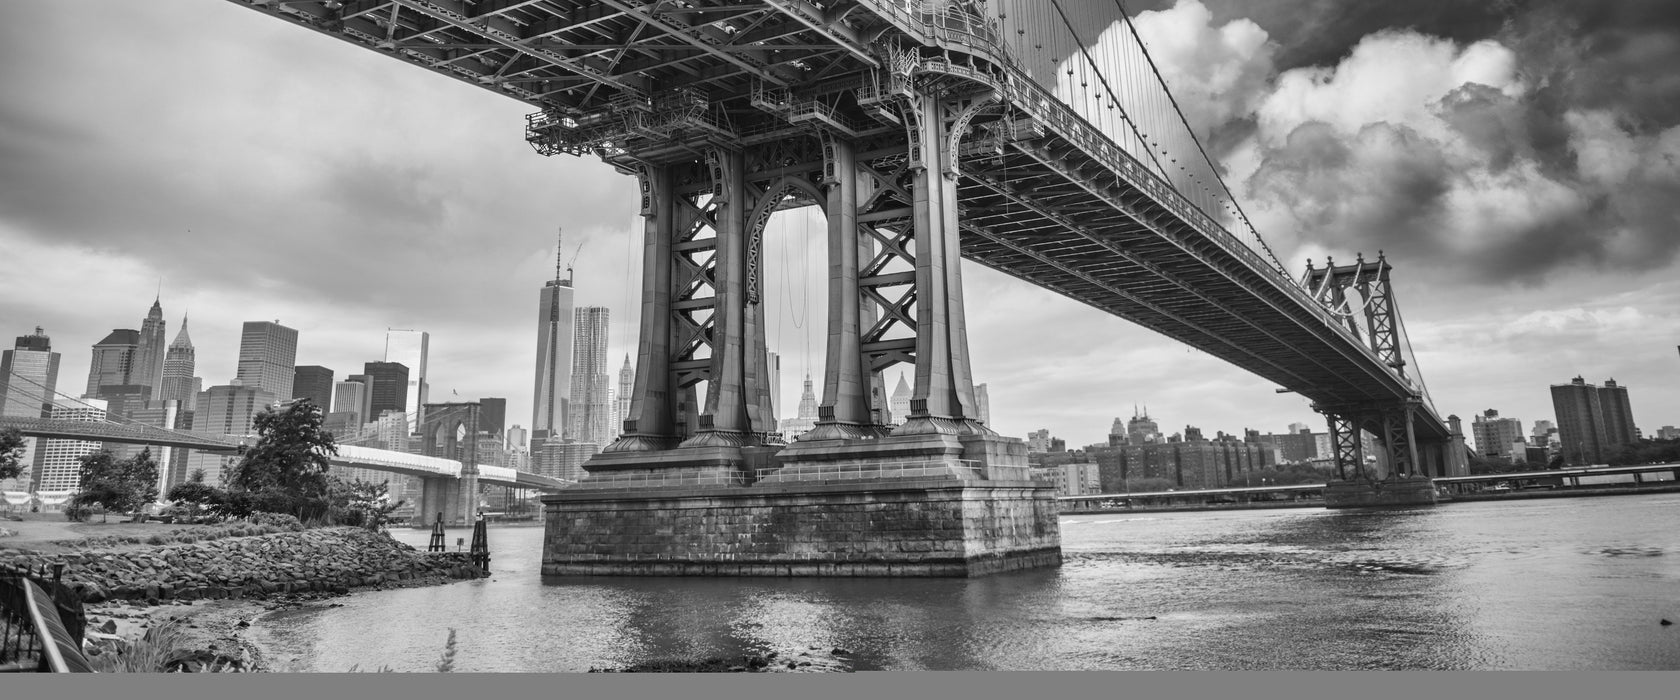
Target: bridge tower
{"x": 1401, "y": 471}
{"x": 939, "y": 494}
{"x": 450, "y": 431}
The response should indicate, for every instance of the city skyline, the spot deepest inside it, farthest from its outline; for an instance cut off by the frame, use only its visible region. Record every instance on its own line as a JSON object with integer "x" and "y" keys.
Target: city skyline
{"x": 448, "y": 170}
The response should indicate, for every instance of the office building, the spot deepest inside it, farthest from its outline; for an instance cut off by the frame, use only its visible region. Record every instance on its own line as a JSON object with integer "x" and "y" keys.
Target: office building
{"x": 806, "y": 419}
{"x": 228, "y": 409}
{"x": 627, "y": 387}
{"x": 899, "y": 405}
{"x": 350, "y": 398}
{"x": 179, "y": 365}
{"x": 150, "y": 352}
{"x": 1499, "y": 438}
{"x": 267, "y": 357}
{"x": 58, "y": 465}
{"x": 553, "y": 385}
{"x": 113, "y": 360}
{"x": 590, "y": 410}
{"x": 492, "y": 417}
{"x": 28, "y": 387}
{"x": 315, "y": 383}
{"x": 410, "y": 348}
{"x": 1141, "y": 430}
{"x": 388, "y": 389}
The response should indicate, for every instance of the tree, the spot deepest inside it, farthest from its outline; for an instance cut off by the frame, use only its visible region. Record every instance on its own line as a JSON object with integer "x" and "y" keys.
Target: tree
{"x": 11, "y": 453}
{"x": 286, "y": 471}
{"x": 366, "y": 504}
{"x": 117, "y": 484}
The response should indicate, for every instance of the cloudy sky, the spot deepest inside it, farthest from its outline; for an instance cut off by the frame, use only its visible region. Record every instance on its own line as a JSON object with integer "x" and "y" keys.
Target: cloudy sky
{"x": 1519, "y": 162}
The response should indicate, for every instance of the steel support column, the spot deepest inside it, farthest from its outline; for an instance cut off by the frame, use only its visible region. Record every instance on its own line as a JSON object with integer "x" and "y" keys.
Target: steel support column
{"x": 723, "y": 422}
{"x": 651, "y": 424}
{"x": 943, "y": 397}
{"x": 846, "y": 408}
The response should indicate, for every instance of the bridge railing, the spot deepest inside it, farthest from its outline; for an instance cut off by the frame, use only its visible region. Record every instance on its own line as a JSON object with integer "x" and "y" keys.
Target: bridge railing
{"x": 645, "y": 479}
{"x": 353, "y": 455}
{"x": 966, "y": 469}
{"x": 33, "y": 635}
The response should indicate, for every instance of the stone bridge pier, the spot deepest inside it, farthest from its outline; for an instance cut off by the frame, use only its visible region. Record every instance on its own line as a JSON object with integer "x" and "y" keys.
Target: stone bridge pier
{"x": 700, "y": 483}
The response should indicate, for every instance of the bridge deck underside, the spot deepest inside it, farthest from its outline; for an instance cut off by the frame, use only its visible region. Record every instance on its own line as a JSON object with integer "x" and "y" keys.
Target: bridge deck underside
{"x": 1136, "y": 259}
{"x": 1039, "y": 209}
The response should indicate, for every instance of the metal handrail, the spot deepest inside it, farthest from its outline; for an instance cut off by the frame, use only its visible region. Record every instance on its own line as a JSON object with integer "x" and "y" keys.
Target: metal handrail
{"x": 851, "y": 472}
{"x": 33, "y": 636}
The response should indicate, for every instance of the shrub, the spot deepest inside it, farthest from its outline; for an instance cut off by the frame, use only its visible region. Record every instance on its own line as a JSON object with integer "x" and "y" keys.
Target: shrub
{"x": 279, "y": 521}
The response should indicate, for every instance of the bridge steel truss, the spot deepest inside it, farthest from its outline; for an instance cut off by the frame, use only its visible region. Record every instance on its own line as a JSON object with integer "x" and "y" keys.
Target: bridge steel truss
{"x": 924, "y": 143}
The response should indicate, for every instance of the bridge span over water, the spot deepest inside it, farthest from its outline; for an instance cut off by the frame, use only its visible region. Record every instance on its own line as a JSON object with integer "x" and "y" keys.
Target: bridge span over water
{"x": 927, "y": 131}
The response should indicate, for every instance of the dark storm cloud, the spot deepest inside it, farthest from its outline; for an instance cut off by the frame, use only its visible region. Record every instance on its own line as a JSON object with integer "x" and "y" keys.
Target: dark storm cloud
{"x": 1499, "y": 141}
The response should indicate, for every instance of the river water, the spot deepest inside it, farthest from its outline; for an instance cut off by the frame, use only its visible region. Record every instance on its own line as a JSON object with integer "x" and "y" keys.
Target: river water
{"x": 1577, "y": 583}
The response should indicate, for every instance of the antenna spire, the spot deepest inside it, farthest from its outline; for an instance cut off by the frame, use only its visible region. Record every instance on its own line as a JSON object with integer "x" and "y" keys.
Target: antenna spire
{"x": 559, "y": 251}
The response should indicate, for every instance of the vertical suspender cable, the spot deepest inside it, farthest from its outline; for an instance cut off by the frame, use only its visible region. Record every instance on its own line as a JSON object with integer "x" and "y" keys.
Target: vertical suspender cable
{"x": 1087, "y": 54}
{"x": 1240, "y": 213}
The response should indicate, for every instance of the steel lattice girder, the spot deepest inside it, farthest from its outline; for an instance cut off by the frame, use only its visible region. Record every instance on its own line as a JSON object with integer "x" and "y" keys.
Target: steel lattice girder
{"x": 578, "y": 58}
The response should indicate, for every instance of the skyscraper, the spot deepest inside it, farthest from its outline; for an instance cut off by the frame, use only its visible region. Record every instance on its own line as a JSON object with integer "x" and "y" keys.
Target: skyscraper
{"x": 1580, "y": 419}
{"x": 590, "y": 411}
{"x": 315, "y": 383}
{"x": 179, "y": 364}
{"x": 410, "y": 348}
{"x": 387, "y": 388}
{"x": 58, "y": 466}
{"x": 492, "y": 416}
{"x": 900, "y": 406}
{"x": 267, "y": 356}
{"x": 1141, "y": 430}
{"x": 350, "y": 401}
{"x": 802, "y": 423}
{"x": 113, "y": 360}
{"x": 28, "y": 380}
{"x": 149, "y": 354}
{"x": 553, "y": 388}
{"x": 28, "y": 376}
{"x": 626, "y": 387}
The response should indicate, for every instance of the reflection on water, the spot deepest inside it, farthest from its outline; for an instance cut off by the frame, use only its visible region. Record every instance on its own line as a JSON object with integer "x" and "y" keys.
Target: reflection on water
{"x": 1541, "y": 584}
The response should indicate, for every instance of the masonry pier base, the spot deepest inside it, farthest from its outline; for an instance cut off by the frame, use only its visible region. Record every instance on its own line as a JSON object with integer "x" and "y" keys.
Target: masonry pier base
{"x": 869, "y": 516}
{"x": 1361, "y": 493}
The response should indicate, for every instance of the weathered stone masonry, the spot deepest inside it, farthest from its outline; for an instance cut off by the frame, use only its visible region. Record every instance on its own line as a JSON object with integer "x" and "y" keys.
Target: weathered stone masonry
{"x": 889, "y": 527}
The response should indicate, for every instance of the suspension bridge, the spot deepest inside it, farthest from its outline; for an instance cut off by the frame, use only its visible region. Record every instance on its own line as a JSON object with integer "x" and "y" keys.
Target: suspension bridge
{"x": 1035, "y": 137}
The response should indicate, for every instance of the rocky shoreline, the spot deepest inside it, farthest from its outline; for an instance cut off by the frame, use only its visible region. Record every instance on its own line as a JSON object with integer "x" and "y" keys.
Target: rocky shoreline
{"x": 212, "y": 592}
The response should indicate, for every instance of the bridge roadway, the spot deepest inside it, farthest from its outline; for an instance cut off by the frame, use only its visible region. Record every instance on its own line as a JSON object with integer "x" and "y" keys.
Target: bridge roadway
{"x": 353, "y": 456}
{"x": 1043, "y": 195}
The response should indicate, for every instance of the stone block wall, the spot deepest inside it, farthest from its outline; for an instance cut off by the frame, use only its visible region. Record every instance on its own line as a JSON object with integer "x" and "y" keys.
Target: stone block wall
{"x": 888, "y": 527}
